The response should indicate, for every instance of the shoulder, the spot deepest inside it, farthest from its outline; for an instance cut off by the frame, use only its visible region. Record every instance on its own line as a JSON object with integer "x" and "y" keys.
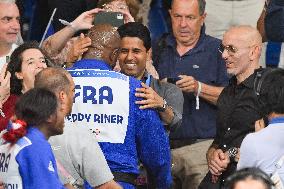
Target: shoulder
{"x": 163, "y": 41}
{"x": 250, "y": 139}
{"x": 37, "y": 144}
{"x": 211, "y": 41}
{"x": 30, "y": 150}
{"x": 166, "y": 88}
{"x": 74, "y": 133}
{"x": 134, "y": 83}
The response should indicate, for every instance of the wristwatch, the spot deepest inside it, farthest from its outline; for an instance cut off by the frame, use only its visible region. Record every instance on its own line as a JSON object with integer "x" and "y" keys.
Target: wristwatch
{"x": 232, "y": 152}
{"x": 164, "y": 107}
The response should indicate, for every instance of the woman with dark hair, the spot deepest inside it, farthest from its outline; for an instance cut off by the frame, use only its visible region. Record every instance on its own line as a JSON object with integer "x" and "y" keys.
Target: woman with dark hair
{"x": 25, "y": 62}
{"x": 249, "y": 178}
{"x": 27, "y": 160}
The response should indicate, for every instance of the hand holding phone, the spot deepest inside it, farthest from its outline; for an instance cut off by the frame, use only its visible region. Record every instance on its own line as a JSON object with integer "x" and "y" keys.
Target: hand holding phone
{"x": 173, "y": 80}
{"x": 113, "y": 18}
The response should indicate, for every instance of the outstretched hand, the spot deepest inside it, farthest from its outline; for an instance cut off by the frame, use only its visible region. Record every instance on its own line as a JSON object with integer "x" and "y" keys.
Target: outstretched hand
{"x": 85, "y": 20}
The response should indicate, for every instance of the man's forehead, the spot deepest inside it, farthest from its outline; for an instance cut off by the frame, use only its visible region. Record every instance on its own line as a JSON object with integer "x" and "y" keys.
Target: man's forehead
{"x": 9, "y": 10}
{"x": 133, "y": 41}
{"x": 234, "y": 37}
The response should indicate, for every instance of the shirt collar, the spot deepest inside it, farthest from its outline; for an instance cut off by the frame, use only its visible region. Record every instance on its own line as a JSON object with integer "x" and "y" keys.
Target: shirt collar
{"x": 276, "y": 120}
{"x": 144, "y": 77}
{"x": 35, "y": 131}
{"x": 91, "y": 64}
{"x": 248, "y": 82}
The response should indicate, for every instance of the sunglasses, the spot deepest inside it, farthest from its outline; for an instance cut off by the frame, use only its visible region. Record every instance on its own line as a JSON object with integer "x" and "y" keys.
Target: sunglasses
{"x": 229, "y": 48}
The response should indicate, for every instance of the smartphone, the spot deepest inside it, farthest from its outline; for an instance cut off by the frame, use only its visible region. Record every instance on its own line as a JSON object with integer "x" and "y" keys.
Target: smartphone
{"x": 173, "y": 80}
{"x": 113, "y": 18}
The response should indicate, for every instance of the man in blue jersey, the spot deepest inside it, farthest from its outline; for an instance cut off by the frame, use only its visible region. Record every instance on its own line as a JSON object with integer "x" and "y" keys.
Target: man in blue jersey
{"x": 105, "y": 103}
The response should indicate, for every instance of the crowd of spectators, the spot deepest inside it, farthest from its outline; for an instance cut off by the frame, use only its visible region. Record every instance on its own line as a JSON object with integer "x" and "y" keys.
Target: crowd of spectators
{"x": 175, "y": 97}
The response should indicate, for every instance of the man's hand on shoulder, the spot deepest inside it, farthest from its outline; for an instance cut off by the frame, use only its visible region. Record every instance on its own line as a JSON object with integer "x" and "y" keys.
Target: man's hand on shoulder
{"x": 151, "y": 98}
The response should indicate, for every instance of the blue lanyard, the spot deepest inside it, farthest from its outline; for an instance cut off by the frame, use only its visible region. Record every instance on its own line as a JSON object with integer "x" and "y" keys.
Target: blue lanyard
{"x": 276, "y": 120}
{"x": 148, "y": 80}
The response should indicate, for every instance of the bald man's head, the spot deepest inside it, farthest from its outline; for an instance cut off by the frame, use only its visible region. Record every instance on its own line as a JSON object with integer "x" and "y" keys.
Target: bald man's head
{"x": 247, "y": 34}
{"x": 105, "y": 40}
{"x": 60, "y": 82}
{"x": 242, "y": 50}
{"x": 53, "y": 79}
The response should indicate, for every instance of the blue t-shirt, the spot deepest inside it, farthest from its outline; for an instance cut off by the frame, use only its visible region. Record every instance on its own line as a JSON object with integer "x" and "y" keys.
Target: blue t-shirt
{"x": 205, "y": 64}
{"x": 105, "y": 103}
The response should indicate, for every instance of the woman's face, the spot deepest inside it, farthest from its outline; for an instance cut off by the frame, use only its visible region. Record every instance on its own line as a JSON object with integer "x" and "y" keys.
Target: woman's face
{"x": 33, "y": 61}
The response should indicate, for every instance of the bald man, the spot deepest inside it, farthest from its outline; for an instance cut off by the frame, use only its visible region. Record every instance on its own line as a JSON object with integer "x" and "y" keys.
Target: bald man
{"x": 105, "y": 104}
{"x": 238, "y": 107}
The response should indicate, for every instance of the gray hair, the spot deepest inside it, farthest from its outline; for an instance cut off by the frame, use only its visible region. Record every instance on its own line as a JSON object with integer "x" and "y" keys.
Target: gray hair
{"x": 7, "y": 1}
{"x": 201, "y": 6}
{"x": 54, "y": 79}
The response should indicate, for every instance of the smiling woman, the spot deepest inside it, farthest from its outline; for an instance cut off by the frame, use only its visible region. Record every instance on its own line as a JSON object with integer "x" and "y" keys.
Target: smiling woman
{"x": 26, "y": 61}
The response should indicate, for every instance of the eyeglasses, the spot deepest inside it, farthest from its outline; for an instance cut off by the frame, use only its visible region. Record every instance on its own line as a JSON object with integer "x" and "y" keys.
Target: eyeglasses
{"x": 229, "y": 48}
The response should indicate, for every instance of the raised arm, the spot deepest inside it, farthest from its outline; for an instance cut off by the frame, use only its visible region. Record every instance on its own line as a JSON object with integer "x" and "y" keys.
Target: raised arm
{"x": 57, "y": 41}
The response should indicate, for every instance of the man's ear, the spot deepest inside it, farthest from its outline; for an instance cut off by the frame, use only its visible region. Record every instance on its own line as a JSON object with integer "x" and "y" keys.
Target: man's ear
{"x": 255, "y": 52}
{"x": 19, "y": 75}
{"x": 170, "y": 11}
{"x": 61, "y": 96}
{"x": 203, "y": 18}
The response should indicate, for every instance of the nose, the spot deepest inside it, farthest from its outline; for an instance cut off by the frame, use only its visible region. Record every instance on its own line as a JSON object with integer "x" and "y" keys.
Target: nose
{"x": 225, "y": 54}
{"x": 183, "y": 22}
{"x": 15, "y": 25}
{"x": 129, "y": 56}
